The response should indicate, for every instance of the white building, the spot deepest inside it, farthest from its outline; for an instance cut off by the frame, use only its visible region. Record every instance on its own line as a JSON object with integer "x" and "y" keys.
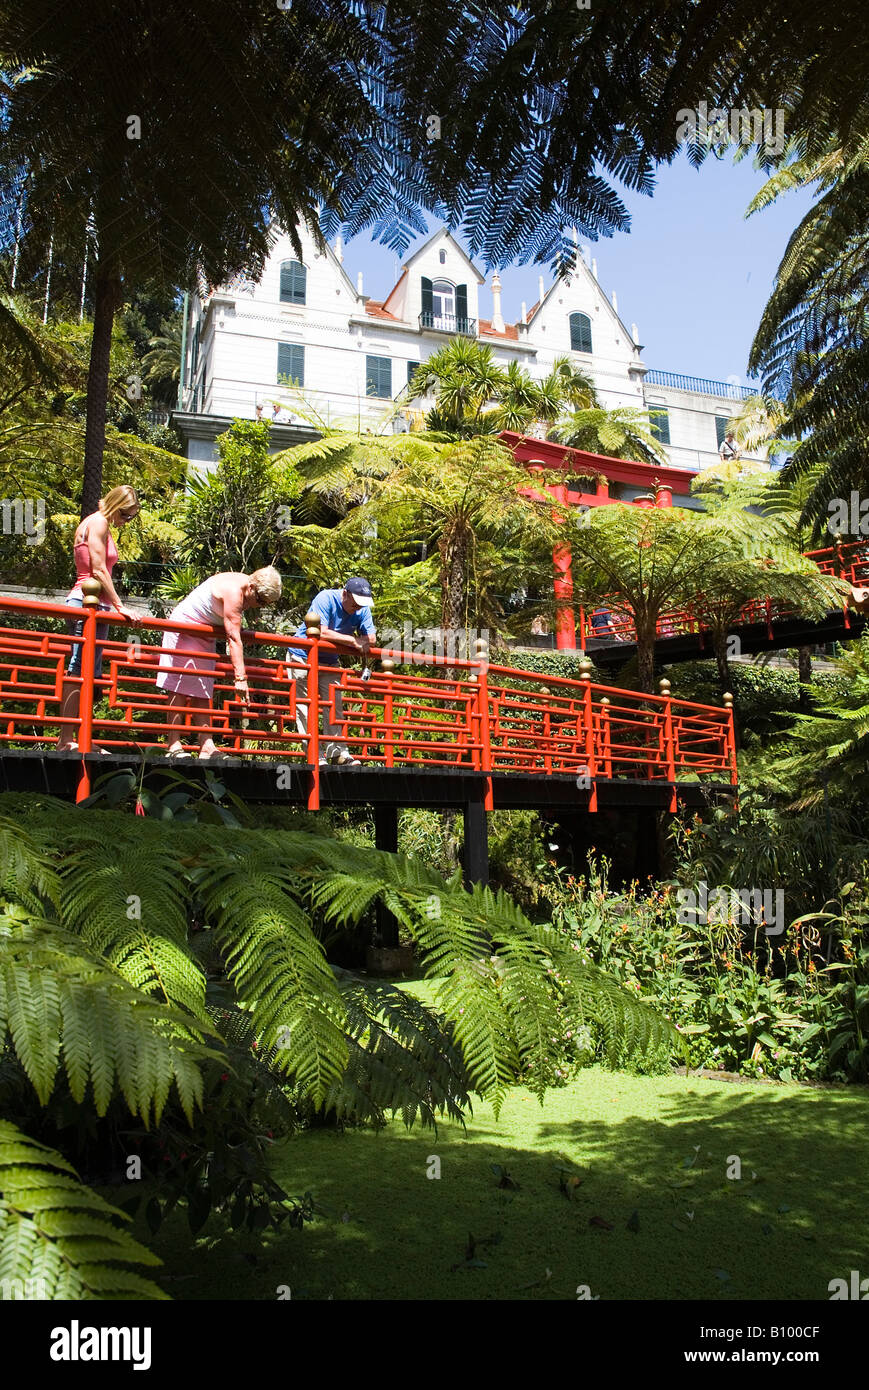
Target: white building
{"x": 352, "y": 355}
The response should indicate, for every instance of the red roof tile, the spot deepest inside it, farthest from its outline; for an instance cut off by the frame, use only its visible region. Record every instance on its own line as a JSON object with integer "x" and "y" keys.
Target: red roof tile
{"x": 510, "y": 330}
{"x": 377, "y": 311}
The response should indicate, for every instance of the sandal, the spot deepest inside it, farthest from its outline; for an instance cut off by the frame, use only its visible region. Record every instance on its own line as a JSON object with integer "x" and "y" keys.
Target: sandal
{"x": 180, "y": 755}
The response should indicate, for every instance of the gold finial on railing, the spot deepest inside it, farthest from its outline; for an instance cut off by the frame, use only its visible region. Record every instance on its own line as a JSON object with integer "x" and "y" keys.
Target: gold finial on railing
{"x": 664, "y": 686}
{"x": 604, "y": 699}
{"x": 727, "y": 697}
{"x": 90, "y": 591}
{"x": 312, "y": 625}
{"x": 585, "y": 669}
{"x": 481, "y": 647}
{"x": 387, "y": 665}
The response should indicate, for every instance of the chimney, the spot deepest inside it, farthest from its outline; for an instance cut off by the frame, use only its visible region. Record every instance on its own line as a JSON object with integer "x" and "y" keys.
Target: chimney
{"x": 339, "y": 250}
{"x": 540, "y": 290}
{"x": 615, "y": 302}
{"x": 594, "y": 267}
{"x": 635, "y": 334}
{"x": 524, "y": 312}
{"x": 359, "y": 284}
{"x": 497, "y": 317}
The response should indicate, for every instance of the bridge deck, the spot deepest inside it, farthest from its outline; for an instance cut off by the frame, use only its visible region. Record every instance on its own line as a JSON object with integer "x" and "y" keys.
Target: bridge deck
{"x": 436, "y": 731}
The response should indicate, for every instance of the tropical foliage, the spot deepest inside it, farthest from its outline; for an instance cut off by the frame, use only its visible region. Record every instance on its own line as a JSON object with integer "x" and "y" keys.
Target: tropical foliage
{"x": 142, "y": 957}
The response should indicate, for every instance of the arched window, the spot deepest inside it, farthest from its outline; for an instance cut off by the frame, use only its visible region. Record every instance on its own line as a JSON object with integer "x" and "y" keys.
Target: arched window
{"x": 580, "y": 333}
{"x": 442, "y": 257}
{"x": 443, "y": 299}
{"x": 294, "y": 279}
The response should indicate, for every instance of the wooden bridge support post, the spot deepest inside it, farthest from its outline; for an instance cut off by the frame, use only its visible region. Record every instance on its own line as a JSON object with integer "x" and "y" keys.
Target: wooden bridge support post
{"x": 386, "y": 838}
{"x": 476, "y": 855}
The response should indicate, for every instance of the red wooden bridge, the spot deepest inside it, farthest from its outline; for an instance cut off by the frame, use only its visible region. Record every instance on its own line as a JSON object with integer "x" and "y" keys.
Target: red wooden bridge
{"x": 762, "y": 624}
{"x": 427, "y": 730}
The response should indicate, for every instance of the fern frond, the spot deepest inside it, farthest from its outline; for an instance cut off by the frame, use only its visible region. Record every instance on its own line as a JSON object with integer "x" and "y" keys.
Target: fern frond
{"x": 127, "y": 904}
{"x": 275, "y": 961}
{"x": 60, "y": 1004}
{"x": 58, "y": 1239}
{"x": 24, "y": 875}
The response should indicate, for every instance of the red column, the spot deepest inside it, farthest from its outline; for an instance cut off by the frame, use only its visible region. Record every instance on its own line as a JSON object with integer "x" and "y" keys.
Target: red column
{"x": 565, "y": 623}
{"x": 663, "y": 495}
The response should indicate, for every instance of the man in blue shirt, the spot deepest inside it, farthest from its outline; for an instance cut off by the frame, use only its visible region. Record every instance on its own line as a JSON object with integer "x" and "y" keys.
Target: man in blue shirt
{"x": 345, "y": 620}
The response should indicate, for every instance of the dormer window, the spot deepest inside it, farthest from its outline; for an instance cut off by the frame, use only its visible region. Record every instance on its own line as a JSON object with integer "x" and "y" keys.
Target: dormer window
{"x": 445, "y": 307}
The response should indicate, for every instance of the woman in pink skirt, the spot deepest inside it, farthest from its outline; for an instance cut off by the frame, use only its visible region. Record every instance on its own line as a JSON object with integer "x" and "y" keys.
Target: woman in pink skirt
{"x": 187, "y": 661}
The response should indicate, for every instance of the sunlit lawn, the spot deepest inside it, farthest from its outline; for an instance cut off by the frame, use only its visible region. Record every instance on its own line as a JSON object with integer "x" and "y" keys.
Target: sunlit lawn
{"x": 651, "y": 1151}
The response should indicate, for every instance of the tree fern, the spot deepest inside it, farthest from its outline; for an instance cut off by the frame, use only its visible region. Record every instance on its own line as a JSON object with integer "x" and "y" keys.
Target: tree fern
{"x": 58, "y": 1239}
{"x": 274, "y": 960}
{"x": 128, "y": 905}
{"x": 60, "y": 1005}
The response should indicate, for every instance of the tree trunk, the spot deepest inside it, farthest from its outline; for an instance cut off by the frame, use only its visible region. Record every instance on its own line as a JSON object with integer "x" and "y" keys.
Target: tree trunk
{"x": 719, "y": 641}
{"x": 804, "y": 667}
{"x": 454, "y": 564}
{"x": 106, "y": 297}
{"x": 646, "y": 662}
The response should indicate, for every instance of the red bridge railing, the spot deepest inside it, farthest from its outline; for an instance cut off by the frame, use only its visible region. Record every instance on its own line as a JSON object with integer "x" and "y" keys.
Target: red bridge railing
{"x": 435, "y": 712}
{"x": 848, "y": 561}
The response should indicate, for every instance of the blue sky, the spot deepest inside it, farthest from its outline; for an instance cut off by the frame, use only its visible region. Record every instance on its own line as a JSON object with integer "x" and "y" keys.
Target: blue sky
{"x": 692, "y": 273}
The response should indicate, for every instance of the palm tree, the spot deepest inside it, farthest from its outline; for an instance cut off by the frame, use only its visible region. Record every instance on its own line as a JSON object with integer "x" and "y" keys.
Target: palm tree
{"x": 162, "y": 361}
{"x": 831, "y": 757}
{"x": 467, "y": 382}
{"x": 811, "y": 343}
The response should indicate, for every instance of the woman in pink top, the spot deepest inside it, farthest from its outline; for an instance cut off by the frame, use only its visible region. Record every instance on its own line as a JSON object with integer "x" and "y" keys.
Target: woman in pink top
{"x": 187, "y": 659}
{"x": 95, "y": 557}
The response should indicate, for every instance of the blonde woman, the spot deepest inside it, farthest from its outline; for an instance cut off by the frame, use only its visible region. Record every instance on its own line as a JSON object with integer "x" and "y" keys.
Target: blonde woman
{"x": 95, "y": 555}
{"x": 187, "y": 660}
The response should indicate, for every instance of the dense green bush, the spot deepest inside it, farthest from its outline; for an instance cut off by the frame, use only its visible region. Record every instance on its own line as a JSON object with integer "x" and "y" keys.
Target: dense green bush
{"x": 763, "y": 696}
{"x": 791, "y": 1006}
{"x": 548, "y": 663}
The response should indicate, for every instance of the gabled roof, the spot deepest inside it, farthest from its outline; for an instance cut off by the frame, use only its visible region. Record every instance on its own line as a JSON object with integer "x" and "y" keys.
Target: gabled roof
{"x": 447, "y": 235}
{"x": 581, "y": 265}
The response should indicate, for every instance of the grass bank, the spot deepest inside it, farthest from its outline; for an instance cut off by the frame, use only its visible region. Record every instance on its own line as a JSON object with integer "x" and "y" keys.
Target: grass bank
{"x": 654, "y": 1216}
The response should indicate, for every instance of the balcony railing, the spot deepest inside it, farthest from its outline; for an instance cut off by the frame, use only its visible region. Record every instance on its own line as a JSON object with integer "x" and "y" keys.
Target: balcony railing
{"x": 448, "y": 323}
{"x": 700, "y": 385}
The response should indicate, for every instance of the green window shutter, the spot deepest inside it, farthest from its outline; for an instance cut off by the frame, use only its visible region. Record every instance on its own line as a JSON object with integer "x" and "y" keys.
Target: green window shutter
{"x": 291, "y": 364}
{"x": 294, "y": 280}
{"x": 378, "y": 376}
{"x": 427, "y": 305}
{"x": 720, "y": 429}
{"x": 580, "y": 333}
{"x": 411, "y": 368}
{"x": 660, "y": 421}
{"x": 462, "y": 304}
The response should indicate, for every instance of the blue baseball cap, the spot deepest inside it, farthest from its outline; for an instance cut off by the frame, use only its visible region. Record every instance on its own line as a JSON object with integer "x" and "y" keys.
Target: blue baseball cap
{"x": 361, "y": 591}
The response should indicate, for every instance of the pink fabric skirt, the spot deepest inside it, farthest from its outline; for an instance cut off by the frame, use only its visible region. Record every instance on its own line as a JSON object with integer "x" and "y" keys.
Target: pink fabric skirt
{"x": 188, "y": 664}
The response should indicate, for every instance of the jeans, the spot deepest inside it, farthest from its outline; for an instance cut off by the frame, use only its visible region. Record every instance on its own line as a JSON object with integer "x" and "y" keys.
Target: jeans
{"x": 76, "y": 630}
